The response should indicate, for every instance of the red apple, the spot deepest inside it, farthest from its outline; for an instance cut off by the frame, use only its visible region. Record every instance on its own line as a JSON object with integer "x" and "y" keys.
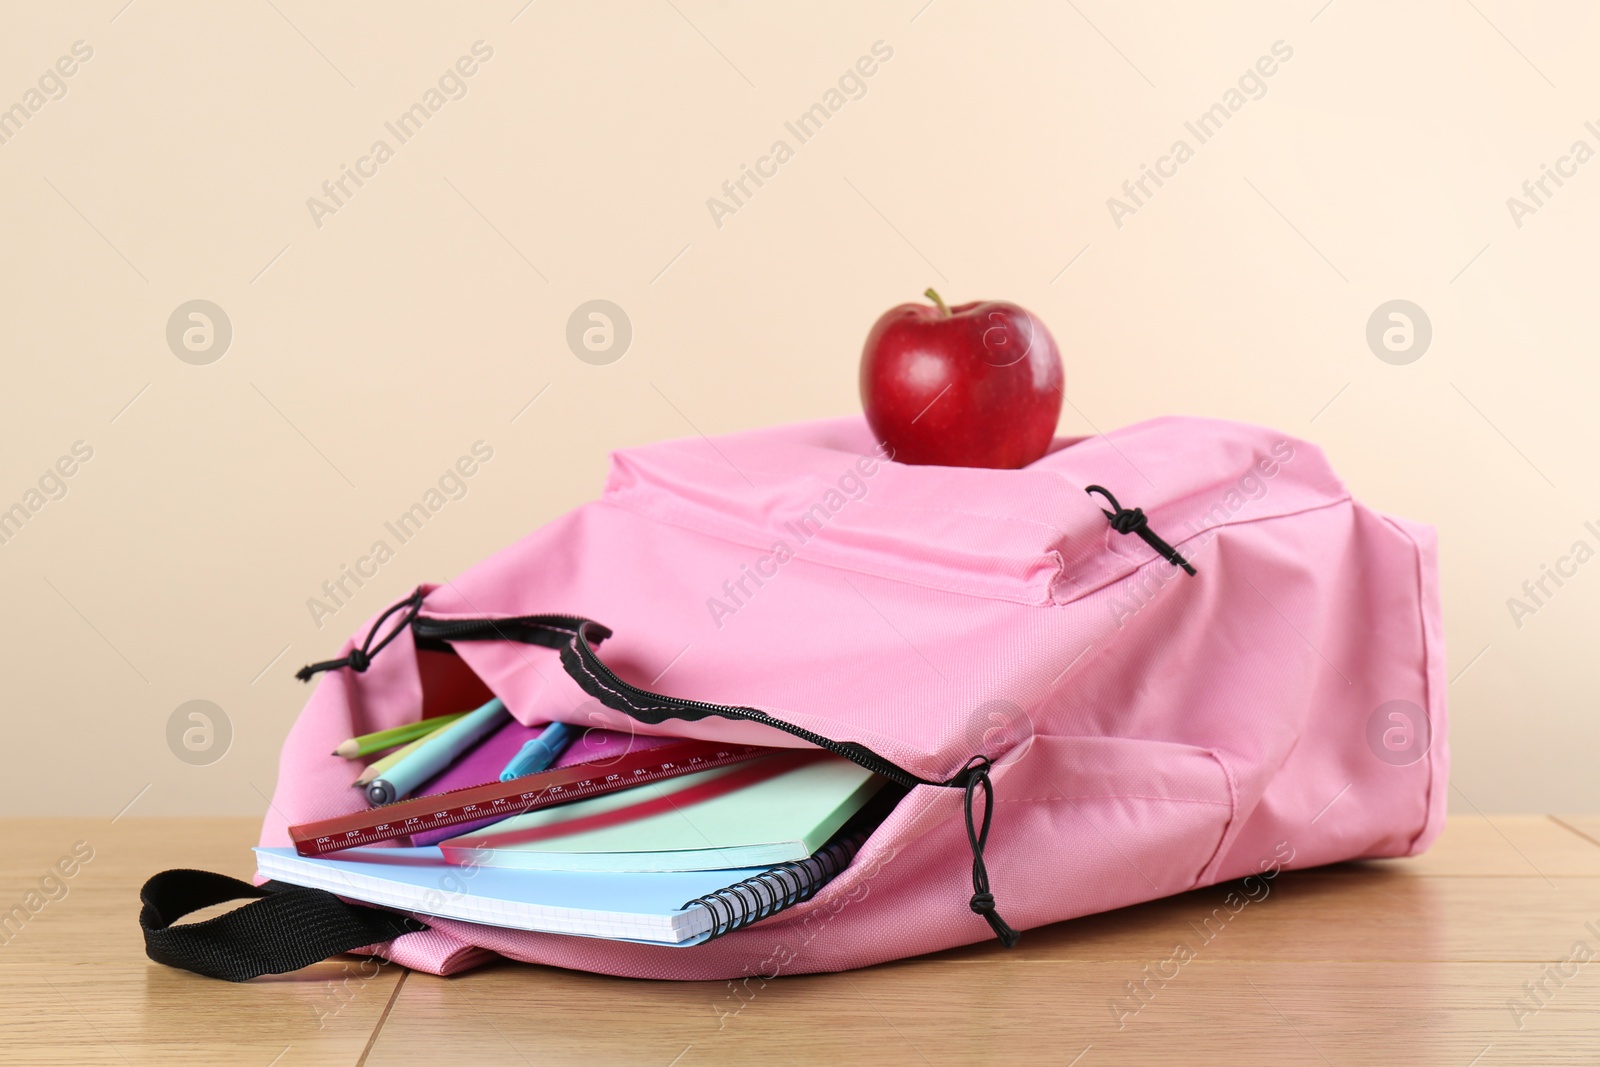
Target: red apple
{"x": 976, "y": 385}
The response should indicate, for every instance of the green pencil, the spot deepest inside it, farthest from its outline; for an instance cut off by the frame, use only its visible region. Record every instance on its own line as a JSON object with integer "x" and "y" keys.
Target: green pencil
{"x": 367, "y": 744}
{"x": 377, "y": 767}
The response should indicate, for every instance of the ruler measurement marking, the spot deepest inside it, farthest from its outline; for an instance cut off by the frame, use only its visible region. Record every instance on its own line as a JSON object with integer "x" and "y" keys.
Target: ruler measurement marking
{"x": 669, "y": 761}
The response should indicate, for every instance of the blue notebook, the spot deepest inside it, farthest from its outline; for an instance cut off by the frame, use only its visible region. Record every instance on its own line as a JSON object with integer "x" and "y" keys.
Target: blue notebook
{"x": 628, "y": 907}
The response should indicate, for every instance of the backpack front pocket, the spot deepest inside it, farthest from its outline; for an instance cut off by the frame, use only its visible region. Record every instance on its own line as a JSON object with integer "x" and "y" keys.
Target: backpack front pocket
{"x": 1156, "y": 811}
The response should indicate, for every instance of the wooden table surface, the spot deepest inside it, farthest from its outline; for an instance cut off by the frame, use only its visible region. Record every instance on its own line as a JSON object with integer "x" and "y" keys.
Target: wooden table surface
{"x": 1414, "y": 962}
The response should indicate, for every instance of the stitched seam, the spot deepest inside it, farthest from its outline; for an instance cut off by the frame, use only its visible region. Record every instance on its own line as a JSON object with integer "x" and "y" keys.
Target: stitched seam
{"x": 1117, "y": 796}
{"x": 1343, "y": 499}
{"x": 1233, "y": 814}
{"x": 654, "y": 510}
{"x": 1058, "y": 531}
{"x": 620, "y": 694}
{"x": 1020, "y": 589}
{"x": 1428, "y": 656}
{"x": 1131, "y": 565}
{"x": 788, "y": 476}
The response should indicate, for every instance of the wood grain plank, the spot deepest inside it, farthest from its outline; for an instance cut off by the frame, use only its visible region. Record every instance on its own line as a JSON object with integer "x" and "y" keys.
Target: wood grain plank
{"x": 1513, "y": 846}
{"x": 1310, "y": 915}
{"x": 1419, "y": 961}
{"x": 80, "y": 989}
{"x": 917, "y": 1012}
{"x": 1585, "y": 826}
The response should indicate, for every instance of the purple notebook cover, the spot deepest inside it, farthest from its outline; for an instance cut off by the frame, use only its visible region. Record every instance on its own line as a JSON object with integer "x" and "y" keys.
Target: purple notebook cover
{"x": 484, "y": 762}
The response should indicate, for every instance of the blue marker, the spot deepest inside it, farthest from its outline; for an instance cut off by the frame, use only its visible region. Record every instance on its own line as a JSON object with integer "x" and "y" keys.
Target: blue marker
{"x": 539, "y": 753}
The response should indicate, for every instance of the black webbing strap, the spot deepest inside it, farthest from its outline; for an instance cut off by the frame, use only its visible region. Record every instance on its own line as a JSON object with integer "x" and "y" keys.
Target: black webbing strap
{"x": 285, "y": 928}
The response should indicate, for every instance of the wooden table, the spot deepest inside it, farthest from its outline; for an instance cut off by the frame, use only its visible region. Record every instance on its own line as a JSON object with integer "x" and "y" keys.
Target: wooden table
{"x": 1407, "y": 962}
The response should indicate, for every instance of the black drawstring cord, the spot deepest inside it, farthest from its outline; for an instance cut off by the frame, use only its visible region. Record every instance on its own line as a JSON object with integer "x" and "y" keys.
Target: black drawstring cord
{"x": 1132, "y": 520}
{"x": 360, "y": 659}
{"x": 976, "y": 773}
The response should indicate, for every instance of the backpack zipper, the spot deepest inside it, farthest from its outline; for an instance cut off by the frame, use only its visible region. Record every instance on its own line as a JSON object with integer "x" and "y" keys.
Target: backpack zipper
{"x": 433, "y": 632}
{"x": 574, "y": 638}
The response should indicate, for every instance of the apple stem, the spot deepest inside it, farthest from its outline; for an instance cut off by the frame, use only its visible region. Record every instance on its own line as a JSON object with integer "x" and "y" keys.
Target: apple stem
{"x": 931, "y": 295}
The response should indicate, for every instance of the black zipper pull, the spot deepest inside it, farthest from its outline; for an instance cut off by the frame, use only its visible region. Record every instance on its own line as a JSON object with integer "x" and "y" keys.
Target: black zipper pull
{"x": 360, "y": 659}
{"x": 976, "y": 773}
{"x": 1132, "y": 520}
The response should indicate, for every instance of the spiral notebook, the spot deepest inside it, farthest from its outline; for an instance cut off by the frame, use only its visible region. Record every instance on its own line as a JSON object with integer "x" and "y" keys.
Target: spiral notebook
{"x": 672, "y": 908}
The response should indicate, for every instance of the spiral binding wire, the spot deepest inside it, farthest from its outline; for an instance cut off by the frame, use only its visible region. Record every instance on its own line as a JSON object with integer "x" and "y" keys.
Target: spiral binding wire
{"x": 773, "y": 890}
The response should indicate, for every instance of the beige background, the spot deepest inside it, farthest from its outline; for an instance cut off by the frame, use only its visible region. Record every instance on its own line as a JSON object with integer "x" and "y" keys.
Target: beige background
{"x": 430, "y": 309}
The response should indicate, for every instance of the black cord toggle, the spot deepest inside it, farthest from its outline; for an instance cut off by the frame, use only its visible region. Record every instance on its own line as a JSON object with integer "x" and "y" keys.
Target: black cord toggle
{"x": 976, "y": 773}
{"x": 360, "y": 659}
{"x": 1128, "y": 520}
{"x": 1132, "y": 520}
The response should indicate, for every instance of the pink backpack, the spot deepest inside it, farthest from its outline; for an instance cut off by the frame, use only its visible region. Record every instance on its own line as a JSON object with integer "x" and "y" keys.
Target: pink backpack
{"x": 1085, "y": 723}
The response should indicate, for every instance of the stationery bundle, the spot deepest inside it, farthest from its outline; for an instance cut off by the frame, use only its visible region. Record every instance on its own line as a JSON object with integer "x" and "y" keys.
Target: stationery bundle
{"x": 587, "y": 832}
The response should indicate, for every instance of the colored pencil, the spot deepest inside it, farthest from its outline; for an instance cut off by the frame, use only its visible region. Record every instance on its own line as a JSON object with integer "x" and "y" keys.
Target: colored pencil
{"x": 367, "y": 744}
{"x": 377, "y": 767}
{"x": 436, "y": 753}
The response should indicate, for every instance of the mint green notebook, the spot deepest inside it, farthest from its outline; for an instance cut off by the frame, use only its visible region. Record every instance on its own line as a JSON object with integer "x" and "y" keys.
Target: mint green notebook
{"x": 775, "y": 809}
